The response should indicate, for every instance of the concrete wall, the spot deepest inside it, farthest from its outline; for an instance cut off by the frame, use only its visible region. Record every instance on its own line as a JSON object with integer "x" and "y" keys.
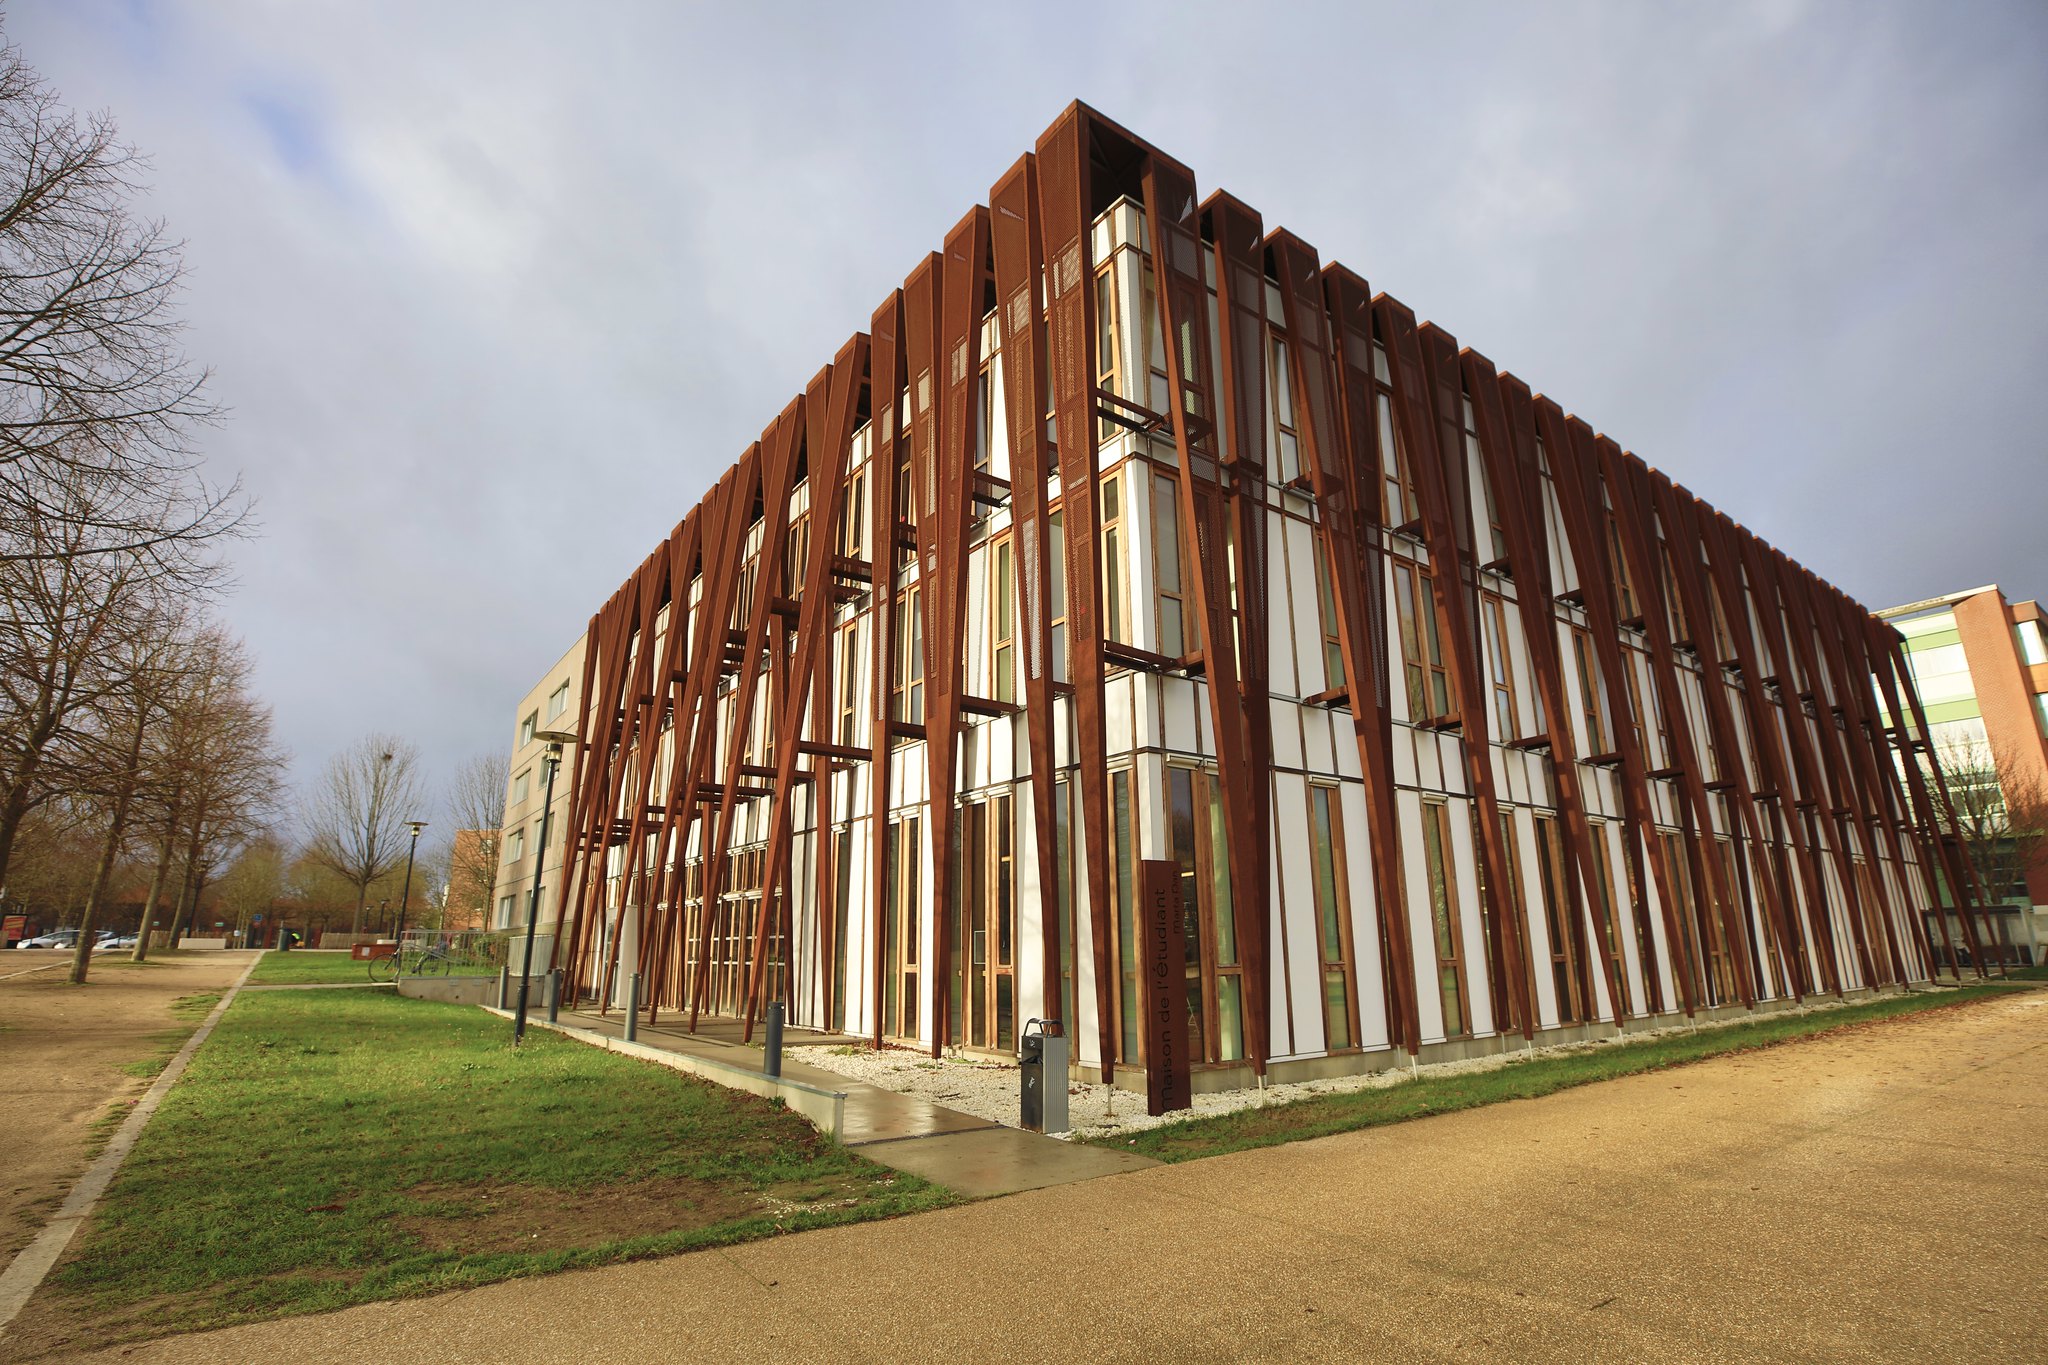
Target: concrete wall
{"x": 457, "y": 990}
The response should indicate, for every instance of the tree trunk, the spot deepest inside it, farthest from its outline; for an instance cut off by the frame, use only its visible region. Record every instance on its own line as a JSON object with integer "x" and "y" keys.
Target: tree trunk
{"x": 362, "y": 896}
{"x": 81, "y": 954}
{"x": 124, "y": 797}
{"x": 186, "y": 895}
{"x": 12, "y": 811}
{"x": 140, "y": 953}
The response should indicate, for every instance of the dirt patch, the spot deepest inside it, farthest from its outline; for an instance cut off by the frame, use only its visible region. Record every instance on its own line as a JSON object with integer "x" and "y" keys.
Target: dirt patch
{"x": 474, "y": 1219}
{"x": 484, "y": 1219}
{"x": 62, "y": 1069}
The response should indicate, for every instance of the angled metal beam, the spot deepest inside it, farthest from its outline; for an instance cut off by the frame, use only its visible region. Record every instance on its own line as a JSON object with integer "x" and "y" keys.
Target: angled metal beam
{"x": 1066, "y": 208}
{"x": 1019, "y": 245}
{"x": 1174, "y": 229}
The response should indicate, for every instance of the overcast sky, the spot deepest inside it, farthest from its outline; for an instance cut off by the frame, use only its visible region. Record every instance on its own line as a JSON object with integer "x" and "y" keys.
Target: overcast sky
{"x": 495, "y": 290}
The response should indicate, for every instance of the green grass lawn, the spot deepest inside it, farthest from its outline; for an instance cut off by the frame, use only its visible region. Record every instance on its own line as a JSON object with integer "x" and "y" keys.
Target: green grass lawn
{"x": 328, "y": 1148}
{"x": 1443, "y": 1094}
{"x": 308, "y": 967}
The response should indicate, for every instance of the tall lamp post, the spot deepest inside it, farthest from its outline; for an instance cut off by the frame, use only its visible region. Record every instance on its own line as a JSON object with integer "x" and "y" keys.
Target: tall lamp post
{"x": 405, "y": 896}
{"x": 555, "y": 739}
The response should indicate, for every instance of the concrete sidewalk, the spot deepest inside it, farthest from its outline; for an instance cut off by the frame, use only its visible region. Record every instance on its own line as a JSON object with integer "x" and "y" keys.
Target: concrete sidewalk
{"x": 1865, "y": 1196}
{"x": 960, "y": 1151}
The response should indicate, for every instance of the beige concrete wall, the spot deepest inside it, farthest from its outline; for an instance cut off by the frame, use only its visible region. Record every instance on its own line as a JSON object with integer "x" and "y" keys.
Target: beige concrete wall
{"x": 523, "y": 813}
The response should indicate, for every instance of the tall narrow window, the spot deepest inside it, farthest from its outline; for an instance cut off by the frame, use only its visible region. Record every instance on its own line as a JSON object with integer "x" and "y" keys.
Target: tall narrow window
{"x": 842, "y": 903}
{"x": 984, "y": 418}
{"x": 1108, "y": 344}
{"x": 849, "y": 682}
{"x": 1126, "y": 912}
{"x": 1605, "y": 911}
{"x": 1326, "y": 614}
{"x": 1510, "y": 913}
{"x": 1113, "y": 559}
{"x": 1002, "y": 633}
{"x": 1682, "y": 892}
{"x": 1422, "y": 647}
{"x": 1681, "y": 628}
{"x": 1056, "y": 595}
{"x": 1159, "y": 393}
{"x": 1496, "y": 533}
{"x": 853, "y": 517}
{"x": 1333, "y": 919}
{"x": 796, "y": 560}
{"x": 1063, "y": 872}
{"x": 1400, "y": 507}
{"x": 1632, "y": 683}
{"x": 1443, "y": 909}
{"x": 907, "y": 692}
{"x": 1564, "y": 964}
{"x": 1167, "y": 568}
{"x": 1195, "y": 843}
{"x": 903, "y": 928}
{"x": 1590, "y": 698}
{"x": 1280, "y": 384}
{"x": 1624, "y": 587}
{"x": 1500, "y": 668}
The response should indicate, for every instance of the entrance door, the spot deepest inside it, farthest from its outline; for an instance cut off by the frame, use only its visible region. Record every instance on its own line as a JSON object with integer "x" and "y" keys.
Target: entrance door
{"x": 1215, "y": 976}
{"x": 903, "y": 929}
{"x": 985, "y": 925}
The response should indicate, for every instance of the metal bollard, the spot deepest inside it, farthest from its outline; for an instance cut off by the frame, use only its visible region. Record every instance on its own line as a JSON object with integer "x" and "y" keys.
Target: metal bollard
{"x": 633, "y": 1008}
{"x": 772, "y": 1063}
{"x": 1042, "y": 1071}
{"x": 555, "y": 996}
{"x": 504, "y": 985}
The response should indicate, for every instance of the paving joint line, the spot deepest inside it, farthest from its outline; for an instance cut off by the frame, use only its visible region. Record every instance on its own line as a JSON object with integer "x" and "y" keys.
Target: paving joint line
{"x": 33, "y": 1263}
{"x": 31, "y": 971}
{"x": 927, "y": 1137}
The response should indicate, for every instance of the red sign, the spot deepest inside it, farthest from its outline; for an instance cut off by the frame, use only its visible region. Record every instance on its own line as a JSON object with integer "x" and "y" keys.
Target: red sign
{"x": 1165, "y": 1001}
{"x": 13, "y": 927}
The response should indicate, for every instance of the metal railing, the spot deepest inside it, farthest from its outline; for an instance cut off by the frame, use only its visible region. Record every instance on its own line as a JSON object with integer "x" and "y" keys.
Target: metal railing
{"x": 467, "y": 952}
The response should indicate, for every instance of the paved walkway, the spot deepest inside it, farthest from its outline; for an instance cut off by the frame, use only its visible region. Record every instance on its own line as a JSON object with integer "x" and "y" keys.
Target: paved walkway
{"x": 1868, "y": 1196}
{"x": 960, "y": 1151}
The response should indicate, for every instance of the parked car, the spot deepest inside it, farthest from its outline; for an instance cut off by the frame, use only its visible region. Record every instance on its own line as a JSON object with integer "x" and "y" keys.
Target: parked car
{"x": 115, "y": 941}
{"x": 66, "y": 938}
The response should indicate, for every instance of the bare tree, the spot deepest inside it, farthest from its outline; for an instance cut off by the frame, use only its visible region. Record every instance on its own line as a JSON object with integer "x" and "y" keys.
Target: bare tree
{"x": 356, "y": 816}
{"x": 151, "y": 675}
{"x": 2001, "y": 813}
{"x": 95, "y": 390}
{"x": 254, "y": 883}
{"x": 476, "y": 801}
{"x": 216, "y": 778}
{"x": 65, "y": 619}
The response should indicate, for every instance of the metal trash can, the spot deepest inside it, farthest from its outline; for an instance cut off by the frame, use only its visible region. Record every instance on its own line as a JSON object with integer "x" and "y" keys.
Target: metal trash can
{"x": 1042, "y": 1067}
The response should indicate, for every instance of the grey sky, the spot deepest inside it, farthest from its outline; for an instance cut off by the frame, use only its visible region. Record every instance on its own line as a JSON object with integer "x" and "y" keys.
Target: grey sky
{"x": 494, "y": 291}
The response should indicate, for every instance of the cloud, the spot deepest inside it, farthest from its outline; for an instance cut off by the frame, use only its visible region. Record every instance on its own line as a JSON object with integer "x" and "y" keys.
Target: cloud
{"x": 495, "y": 291}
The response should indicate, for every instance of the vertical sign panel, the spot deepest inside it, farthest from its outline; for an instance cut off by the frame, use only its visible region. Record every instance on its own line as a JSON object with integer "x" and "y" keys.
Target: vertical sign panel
{"x": 1168, "y": 1069}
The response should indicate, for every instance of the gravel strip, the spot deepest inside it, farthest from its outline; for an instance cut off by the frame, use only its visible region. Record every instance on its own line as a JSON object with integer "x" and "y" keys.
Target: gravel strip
{"x": 987, "y": 1087}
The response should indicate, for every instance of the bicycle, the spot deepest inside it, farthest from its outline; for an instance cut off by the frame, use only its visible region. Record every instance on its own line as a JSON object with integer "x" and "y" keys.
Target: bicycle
{"x": 431, "y": 961}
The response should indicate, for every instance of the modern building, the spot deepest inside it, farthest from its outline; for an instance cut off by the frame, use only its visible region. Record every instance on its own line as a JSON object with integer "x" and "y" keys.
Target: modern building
{"x": 554, "y": 703}
{"x": 1980, "y": 664}
{"x": 1138, "y": 594}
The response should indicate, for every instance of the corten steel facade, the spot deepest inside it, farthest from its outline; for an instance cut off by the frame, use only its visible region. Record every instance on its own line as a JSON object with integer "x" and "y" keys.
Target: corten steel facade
{"x": 1514, "y": 735}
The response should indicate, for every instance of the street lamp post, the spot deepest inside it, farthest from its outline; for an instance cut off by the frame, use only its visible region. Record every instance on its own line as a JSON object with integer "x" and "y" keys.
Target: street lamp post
{"x": 556, "y": 739}
{"x": 405, "y": 896}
